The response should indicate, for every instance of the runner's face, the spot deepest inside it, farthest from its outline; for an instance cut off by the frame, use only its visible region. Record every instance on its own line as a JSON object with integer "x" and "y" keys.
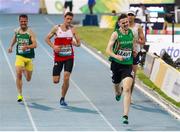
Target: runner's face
{"x": 131, "y": 17}
{"x": 124, "y": 23}
{"x": 68, "y": 20}
{"x": 23, "y": 22}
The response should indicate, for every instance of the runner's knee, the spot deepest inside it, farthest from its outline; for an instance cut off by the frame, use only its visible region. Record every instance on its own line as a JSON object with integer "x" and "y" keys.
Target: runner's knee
{"x": 19, "y": 75}
{"x": 56, "y": 79}
{"x": 28, "y": 79}
{"x": 66, "y": 78}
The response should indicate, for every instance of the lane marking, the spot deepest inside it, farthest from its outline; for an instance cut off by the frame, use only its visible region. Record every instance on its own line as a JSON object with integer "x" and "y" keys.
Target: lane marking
{"x": 49, "y": 21}
{"x": 158, "y": 102}
{"x": 83, "y": 94}
{"x": 14, "y": 77}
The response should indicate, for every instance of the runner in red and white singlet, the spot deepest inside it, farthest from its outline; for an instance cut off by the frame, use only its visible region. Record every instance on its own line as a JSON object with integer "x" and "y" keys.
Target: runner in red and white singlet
{"x": 64, "y": 40}
{"x": 63, "y": 51}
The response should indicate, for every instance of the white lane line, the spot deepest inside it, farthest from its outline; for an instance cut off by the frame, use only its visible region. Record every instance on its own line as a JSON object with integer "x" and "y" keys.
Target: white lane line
{"x": 84, "y": 95}
{"x": 158, "y": 102}
{"x": 95, "y": 55}
{"x": 14, "y": 77}
{"x": 6, "y": 27}
{"x": 136, "y": 85}
{"x": 49, "y": 21}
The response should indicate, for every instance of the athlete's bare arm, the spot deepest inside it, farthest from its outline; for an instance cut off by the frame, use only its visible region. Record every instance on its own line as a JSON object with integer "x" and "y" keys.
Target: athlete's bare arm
{"x": 77, "y": 38}
{"x": 110, "y": 46}
{"x": 13, "y": 41}
{"x": 141, "y": 39}
{"x": 135, "y": 52}
{"x": 48, "y": 39}
{"x": 33, "y": 40}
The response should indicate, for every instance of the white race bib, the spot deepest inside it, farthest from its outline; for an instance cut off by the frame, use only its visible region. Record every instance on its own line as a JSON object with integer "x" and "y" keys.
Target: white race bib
{"x": 20, "y": 51}
{"x": 65, "y": 51}
{"x": 125, "y": 53}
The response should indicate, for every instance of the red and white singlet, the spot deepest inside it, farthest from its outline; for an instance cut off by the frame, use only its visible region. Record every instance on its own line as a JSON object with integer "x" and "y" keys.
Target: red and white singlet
{"x": 64, "y": 40}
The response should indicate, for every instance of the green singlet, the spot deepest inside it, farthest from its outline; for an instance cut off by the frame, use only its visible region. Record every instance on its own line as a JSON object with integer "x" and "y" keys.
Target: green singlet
{"x": 24, "y": 38}
{"x": 124, "y": 47}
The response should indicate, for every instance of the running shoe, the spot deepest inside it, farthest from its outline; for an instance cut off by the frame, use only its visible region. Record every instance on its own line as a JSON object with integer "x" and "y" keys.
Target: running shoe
{"x": 125, "y": 120}
{"x": 118, "y": 97}
{"x": 62, "y": 102}
{"x": 19, "y": 98}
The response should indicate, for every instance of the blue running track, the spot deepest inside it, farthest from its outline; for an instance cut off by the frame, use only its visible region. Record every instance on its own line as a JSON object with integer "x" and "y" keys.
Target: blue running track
{"x": 91, "y": 102}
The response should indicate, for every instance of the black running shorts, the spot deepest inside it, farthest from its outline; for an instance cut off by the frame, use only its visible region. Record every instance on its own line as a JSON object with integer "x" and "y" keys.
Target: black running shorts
{"x": 58, "y": 66}
{"x": 136, "y": 60}
{"x": 119, "y": 72}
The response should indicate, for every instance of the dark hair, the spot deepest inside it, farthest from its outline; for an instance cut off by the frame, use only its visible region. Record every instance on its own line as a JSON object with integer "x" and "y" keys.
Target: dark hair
{"x": 114, "y": 11}
{"x": 23, "y": 15}
{"x": 69, "y": 14}
{"x": 122, "y": 16}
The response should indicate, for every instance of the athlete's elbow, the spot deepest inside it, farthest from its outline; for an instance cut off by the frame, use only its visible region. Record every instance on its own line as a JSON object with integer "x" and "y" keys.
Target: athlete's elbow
{"x": 78, "y": 44}
{"x": 35, "y": 46}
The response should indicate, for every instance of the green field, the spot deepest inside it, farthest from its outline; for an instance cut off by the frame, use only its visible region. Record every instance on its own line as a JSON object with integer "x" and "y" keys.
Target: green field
{"x": 98, "y": 39}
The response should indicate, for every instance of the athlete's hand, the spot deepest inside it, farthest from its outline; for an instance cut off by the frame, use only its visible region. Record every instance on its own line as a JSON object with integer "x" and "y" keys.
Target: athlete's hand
{"x": 119, "y": 57}
{"x": 24, "y": 47}
{"x": 139, "y": 41}
{"x": 10, "y": 50}
{"x": 74, "y": 42}
{"x": 57, "y": 49}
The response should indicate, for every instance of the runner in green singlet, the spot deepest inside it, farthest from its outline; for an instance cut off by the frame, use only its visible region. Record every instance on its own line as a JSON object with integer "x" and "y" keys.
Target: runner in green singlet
{"x": 25, "y": 42}
{"x": 120, "y": 49}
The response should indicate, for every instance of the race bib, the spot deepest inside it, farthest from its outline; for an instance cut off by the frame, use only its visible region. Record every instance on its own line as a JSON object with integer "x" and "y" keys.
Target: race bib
{"x": 65, "y": 51}
{"x": 126, "y": 54}
{"x": 20, "y": 51}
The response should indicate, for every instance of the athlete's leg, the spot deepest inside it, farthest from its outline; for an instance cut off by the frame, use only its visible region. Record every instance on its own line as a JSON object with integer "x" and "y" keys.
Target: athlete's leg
{"x": 56, "y": 79}
{"x": 28, "y": 69}
{"x": 19, "y": 71}
{"x": 134, "y": 67}
{"x": 28, "y": 75}
{"x": 116, "y": 79}
{"x": 65, "y": 7}
{"x": 118, "y": 91}
{"x": 65, "y": 85}
{"x": 57, "y": 71}
{"x": 68, "y": 66}
{"x": 70, "y": 6}
{"x": 127, "y": 82}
